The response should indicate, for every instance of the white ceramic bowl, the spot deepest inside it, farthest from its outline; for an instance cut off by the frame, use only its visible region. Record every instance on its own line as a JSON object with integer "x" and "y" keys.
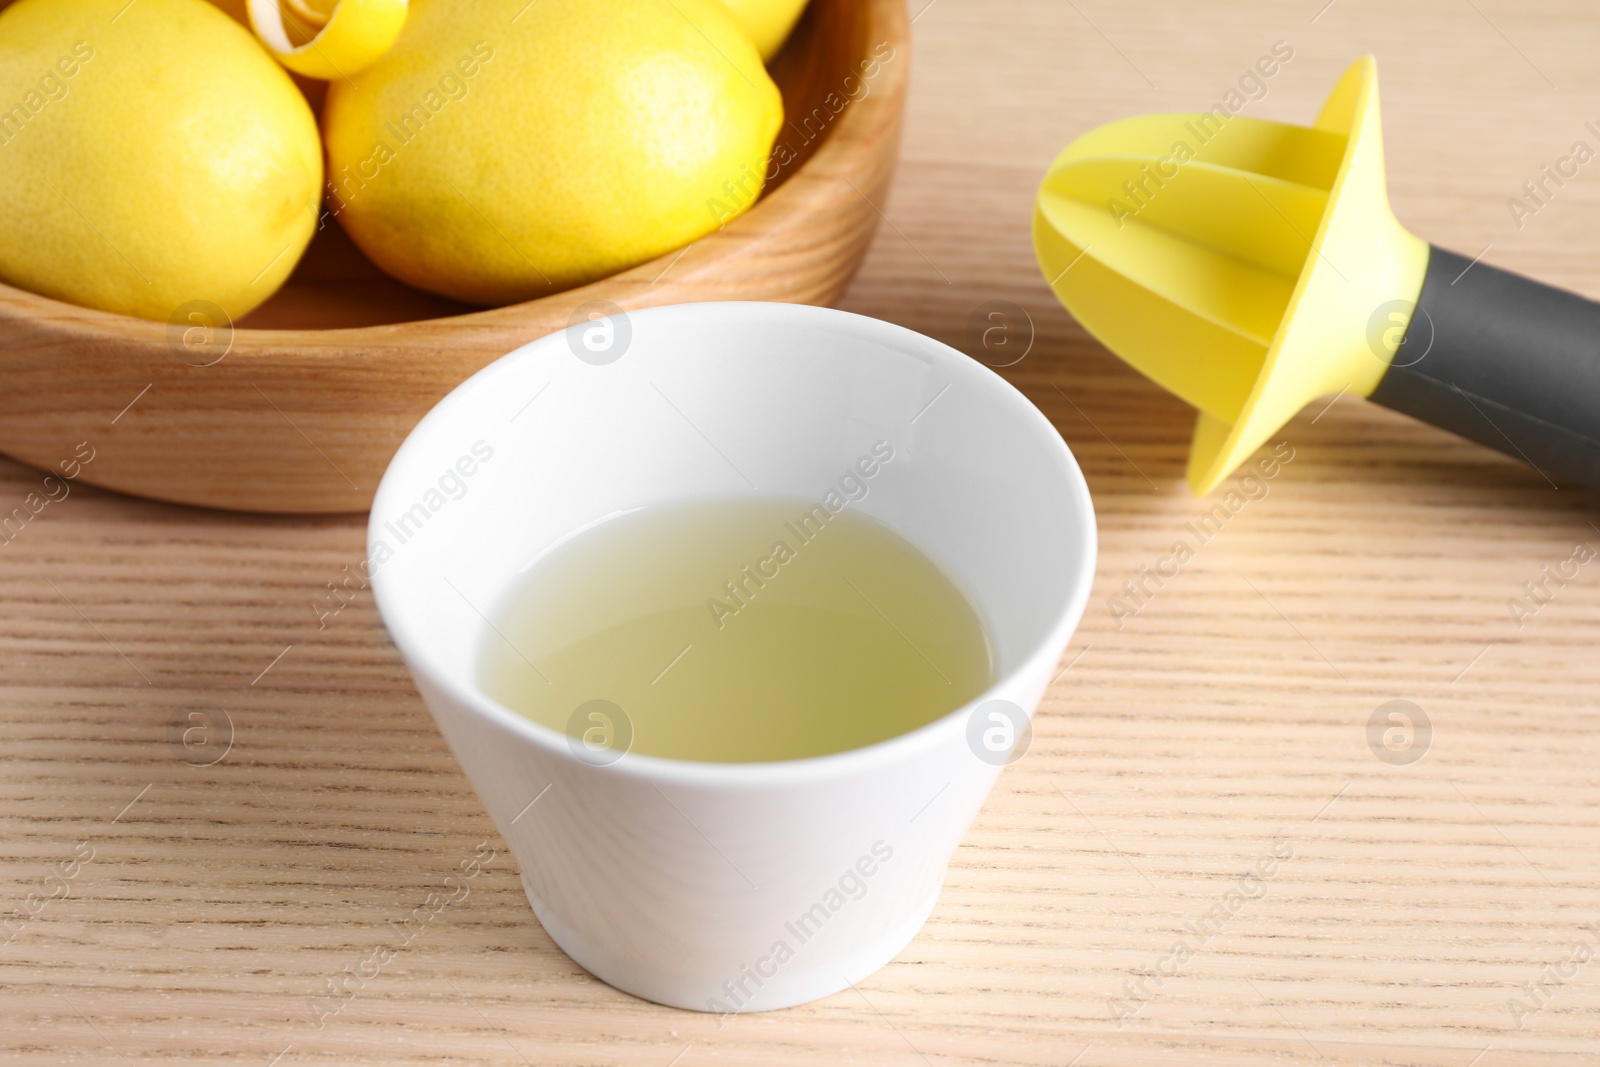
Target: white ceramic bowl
{"x": 729, "y": 887}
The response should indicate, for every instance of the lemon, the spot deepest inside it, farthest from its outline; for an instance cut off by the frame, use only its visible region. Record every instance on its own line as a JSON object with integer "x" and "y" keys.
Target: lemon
{"x": 503, "y": 149}
{"x": 766, "y": 22}
{"x": 151, "y": 155}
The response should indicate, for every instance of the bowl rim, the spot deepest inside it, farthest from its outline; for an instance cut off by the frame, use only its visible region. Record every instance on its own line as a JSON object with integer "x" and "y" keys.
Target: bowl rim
{"x": 940, "y": 733}
{"x": 874, "y": 114}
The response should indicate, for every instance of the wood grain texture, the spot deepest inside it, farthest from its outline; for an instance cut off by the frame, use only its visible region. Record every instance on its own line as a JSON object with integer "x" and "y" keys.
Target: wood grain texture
{"x": 300, "y": 407}
{"x": 1226, "y": 718}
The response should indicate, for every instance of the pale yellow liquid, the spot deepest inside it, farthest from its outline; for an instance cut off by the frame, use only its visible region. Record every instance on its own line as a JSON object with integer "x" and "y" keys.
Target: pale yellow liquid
{"x": 856, "y": 638}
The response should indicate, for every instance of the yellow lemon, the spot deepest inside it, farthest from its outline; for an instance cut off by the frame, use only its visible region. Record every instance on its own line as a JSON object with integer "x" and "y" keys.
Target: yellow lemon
{"x": 766, "y": 22}
{"x": 503, "y": 149}
{"x": 151, "y": 155}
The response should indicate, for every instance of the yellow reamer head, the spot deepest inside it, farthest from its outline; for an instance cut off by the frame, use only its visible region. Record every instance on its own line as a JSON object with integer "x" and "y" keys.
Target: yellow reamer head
{"x": 1235, "y": 261}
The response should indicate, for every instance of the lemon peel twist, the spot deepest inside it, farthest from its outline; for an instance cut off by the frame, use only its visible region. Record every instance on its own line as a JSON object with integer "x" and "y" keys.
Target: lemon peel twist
{"x": 346, "y": 36}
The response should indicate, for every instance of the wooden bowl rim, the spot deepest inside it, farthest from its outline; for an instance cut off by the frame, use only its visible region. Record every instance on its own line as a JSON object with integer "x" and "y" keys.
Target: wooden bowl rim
{"x": 880, "y": 109}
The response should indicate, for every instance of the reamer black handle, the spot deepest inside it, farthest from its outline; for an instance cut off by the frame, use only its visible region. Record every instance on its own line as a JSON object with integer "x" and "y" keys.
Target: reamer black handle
{"x": 1504, "y": 361}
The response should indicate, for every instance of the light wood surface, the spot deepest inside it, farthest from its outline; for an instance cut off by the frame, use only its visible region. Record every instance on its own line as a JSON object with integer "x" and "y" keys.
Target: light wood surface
{"x": 1226, "y": 719}
{"x": 300, "y": 407}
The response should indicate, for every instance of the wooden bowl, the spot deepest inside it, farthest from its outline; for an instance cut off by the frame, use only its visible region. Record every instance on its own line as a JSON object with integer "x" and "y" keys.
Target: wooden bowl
{"x": 315, "y": 390}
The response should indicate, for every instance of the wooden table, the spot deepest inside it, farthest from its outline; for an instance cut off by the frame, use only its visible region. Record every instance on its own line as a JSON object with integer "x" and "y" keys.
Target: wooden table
{"x": 1440, "y": 911}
